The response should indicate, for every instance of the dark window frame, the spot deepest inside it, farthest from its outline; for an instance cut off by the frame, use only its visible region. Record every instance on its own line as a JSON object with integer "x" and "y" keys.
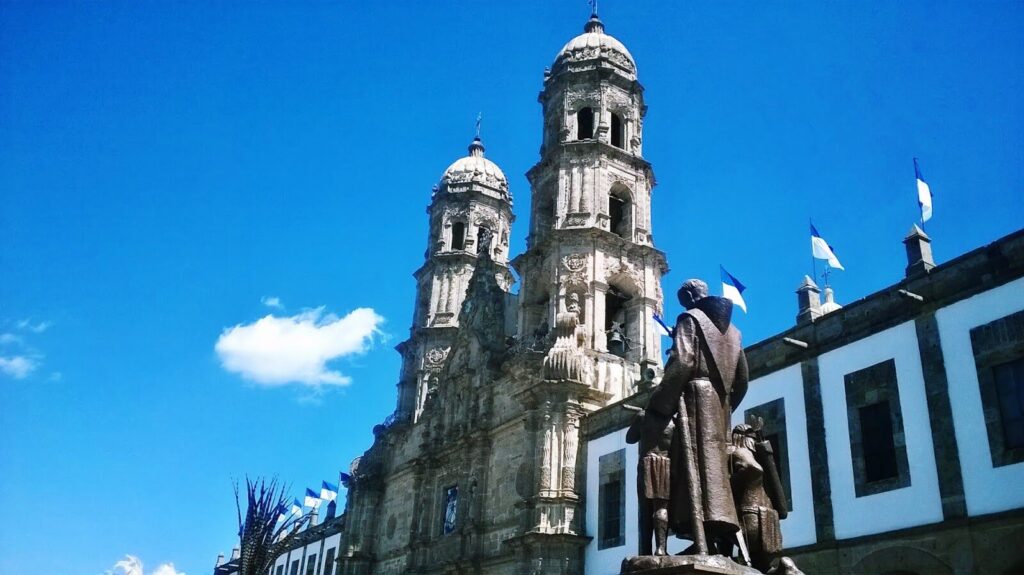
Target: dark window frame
{"x": 328, "y": 566}
{"x": 865, "y": 387}
{"x": 996, "y": 344}
{"x": 618, "y": 131}
{"x": 611, "y": 491}
{"x": 585, "y": 124}
{"x": 458, "y": 236}
{"x": 773, "y": 413}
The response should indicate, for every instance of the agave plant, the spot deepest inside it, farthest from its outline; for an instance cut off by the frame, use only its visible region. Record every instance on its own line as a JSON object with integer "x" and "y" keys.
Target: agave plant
{"x": 267, "y": 530}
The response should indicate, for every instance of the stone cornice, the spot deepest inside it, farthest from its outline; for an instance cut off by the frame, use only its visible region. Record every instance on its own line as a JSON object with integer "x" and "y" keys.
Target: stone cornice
{"x": 576, "y": 148}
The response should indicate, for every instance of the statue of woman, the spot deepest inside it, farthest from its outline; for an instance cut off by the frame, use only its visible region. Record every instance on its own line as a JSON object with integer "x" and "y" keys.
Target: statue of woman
{"x": 760, "y": 507}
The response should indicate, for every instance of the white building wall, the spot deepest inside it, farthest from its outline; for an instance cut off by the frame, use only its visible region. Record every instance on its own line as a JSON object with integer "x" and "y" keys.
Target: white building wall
{"x": 798, "y": 528}
{"x": 917, "y": 504}
{"x": 608, "y": 561}
{"x": 987, "y": 489}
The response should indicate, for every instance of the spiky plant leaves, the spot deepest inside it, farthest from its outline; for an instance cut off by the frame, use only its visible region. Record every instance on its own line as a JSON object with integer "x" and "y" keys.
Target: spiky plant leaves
{"x": 262, "y": 536}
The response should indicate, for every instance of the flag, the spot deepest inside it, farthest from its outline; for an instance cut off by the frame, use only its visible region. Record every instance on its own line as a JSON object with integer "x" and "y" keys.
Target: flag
{"x": 924, "y": 194}
{"x": 312, "y": 499}
{"x": 282, "y": 512}
{"x": 296, "y": 507}
{"x": 344, "y": 478}
{"x": 328, "y": 492}
{"x": 823, "y": 251}
{"x": 732, "y": 289}
{"x": 658, "y": 319}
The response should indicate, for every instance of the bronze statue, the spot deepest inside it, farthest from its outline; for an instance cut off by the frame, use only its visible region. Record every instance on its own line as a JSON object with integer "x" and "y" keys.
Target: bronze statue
{"x": 655, "y": 434}
{"x": 705, "y": 379}
{"x": 756, "y": 487}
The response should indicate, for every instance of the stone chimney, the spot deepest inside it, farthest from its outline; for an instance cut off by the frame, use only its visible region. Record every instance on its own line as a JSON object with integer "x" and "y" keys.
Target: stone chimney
{"x": 314, "y": 516}
{"x": 919, "y": 252}
{"x": 808, "y": 298}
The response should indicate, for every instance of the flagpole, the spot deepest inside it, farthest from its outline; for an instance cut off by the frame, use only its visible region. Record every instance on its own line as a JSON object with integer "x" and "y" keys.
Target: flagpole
{"x": 814, "y": 262}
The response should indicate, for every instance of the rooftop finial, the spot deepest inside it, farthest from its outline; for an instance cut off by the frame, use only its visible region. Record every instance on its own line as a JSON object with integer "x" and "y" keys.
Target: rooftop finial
{"x": 594, "y": 25}
{"x": 477, "y": 147}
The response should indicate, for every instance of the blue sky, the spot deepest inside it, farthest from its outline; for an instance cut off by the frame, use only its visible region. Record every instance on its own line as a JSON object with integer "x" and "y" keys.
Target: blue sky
{"x": 168, "y": 166}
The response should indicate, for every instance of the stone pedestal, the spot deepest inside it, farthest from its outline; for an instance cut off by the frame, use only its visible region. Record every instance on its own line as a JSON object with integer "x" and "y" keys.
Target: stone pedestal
{"x": 677, "y": 564}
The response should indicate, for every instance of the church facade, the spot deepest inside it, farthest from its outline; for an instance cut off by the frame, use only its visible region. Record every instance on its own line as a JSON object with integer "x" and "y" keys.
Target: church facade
{"x": 897, "y": 421}
{"x": 481, "y": 467}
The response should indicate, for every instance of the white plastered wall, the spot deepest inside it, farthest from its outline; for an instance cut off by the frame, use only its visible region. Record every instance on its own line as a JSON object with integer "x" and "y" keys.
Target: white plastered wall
{"x": 917, "y": 504}
{"x": 987, "y": 489}
{"x": 798, "y": 528}
{"x": 608, "y": 561}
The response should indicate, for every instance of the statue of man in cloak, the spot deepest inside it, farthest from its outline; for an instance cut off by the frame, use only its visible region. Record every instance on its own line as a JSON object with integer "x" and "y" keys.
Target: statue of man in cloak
{"x": 705, "y": 380}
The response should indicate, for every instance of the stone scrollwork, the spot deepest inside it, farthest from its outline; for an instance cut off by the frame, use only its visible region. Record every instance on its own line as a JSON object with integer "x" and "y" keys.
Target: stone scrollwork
{"x": 436, "y": 355}
{"x": 576, "y": 265}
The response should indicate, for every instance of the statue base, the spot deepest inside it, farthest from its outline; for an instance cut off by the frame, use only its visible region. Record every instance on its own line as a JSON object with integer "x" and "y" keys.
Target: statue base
{"x": 673, "y": 564}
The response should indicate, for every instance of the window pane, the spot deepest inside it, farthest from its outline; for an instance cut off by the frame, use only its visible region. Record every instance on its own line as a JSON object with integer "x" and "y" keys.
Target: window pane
{"x": 450, "y": 506}
{"x": 1009, "y": 379}
{"x": 329, "y": 563}
{"x": 877, "y": 442}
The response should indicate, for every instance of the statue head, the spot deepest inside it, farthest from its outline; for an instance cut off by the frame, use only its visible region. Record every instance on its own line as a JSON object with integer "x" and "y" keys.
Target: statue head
{"x": 692, "y": 291}
{"x": 573, "y": 302}
{"x": 743, "y": 435}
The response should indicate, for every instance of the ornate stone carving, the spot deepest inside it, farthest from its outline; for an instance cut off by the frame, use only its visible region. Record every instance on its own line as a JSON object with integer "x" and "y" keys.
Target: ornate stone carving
{"x": 623, "y": 267}
{"x": 437, "y": 355}
{"x": 565, "y": 360}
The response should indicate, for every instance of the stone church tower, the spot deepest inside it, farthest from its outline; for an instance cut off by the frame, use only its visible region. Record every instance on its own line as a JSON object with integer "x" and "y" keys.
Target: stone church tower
{"x": 480, "y": 469}
{"x": 471, "y": 201}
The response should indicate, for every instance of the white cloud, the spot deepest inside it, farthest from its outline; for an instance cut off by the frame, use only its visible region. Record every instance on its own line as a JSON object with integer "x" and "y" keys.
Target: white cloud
{"x": 9, "y": 338}
{"x": 167, "y": 569}
{"x": 272, "y": 301}
{"x": 280, "y": 350}
{"x": 26, "y": 324}
{"x": 132, "y": 565}
{"x": 17, "y": 366}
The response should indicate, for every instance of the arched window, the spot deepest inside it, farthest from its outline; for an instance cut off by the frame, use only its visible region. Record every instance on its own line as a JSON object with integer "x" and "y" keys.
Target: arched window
{"x": 458, "y": 236}
{"x": 484, "y": 233}
{"x": 618, "y": 131}
{"x": 616, "y": 322}
{"x": 620, "y": 212}
{"x": 585, "y": 124}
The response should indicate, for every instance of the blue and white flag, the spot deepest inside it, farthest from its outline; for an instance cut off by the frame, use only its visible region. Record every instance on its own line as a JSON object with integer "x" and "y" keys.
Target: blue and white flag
{"x": 924, "y": 194}
{"x": 312, "y": 499}
{"x": 328, "y": 492}
{"x": 344, "y": 479}
{"x": 661, "y": 322}
{"x": 732, "y": 289}
{"x": 296, "y": 507}
{"x": 823, "y": 251}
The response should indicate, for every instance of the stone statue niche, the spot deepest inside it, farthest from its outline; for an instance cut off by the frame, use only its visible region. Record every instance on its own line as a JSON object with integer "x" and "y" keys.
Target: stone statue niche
{"x": 720, "y": 493}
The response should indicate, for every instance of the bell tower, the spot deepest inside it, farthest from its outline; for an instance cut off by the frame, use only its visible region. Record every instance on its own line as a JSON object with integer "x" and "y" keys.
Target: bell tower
{"x": 470, "y": 203}
{"x": 590, "y": 217}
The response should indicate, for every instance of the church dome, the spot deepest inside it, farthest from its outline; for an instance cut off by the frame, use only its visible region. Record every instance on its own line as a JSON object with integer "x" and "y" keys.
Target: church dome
{"x": 592, "y": 44}
{"x": 477, "y": 169}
